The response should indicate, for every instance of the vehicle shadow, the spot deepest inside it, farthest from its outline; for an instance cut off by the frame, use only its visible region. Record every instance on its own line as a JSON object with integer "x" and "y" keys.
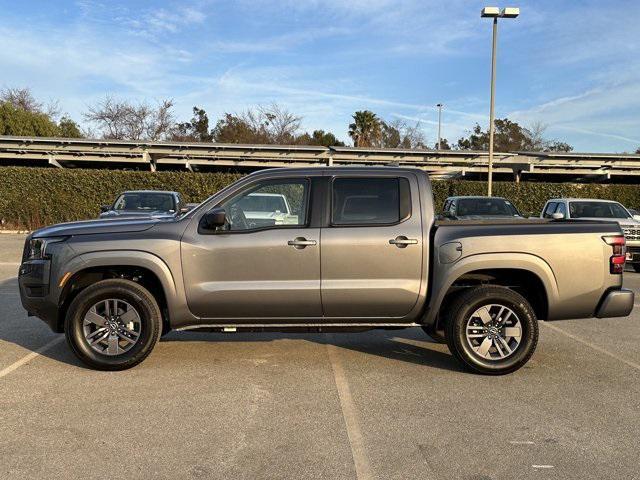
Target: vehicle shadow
{"x": 407, "y": 345}
{"x": 410, "y": 345}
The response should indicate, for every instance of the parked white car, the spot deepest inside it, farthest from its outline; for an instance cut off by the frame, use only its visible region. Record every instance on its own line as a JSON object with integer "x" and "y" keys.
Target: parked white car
{"x": 265, "y": 209}
{"x": 595, "y": 209}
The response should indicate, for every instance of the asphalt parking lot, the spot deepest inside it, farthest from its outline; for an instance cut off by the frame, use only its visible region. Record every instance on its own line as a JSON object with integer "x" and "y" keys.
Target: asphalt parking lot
{"x": 382, "y": 404}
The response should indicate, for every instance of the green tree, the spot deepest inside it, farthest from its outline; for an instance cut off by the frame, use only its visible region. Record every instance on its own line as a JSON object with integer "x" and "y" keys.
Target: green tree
{"x": 234, "y": 129}
{"x": 444, "y": 144}
{"x": 366, "y": 129}
{"x": 321, "y": 138}
{"x": 510, "y": 136}
{"x": 195, "y": 130}
{"x": 67, "y": 128}
{"x": 17, "y": 121}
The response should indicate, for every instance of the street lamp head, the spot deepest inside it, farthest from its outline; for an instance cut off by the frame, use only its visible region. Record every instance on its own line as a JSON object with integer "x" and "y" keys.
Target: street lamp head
{"x": 510, "y": 12}
{"x": 439, "y": 105}
{"x": 490, "y": 12}
{"x": 495, "y": 12}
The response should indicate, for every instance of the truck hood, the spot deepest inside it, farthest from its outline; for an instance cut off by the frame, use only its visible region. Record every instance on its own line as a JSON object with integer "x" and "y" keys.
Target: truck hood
{"x": 490, "y": 217}
{"x": 90, "y": 227}
{"x": 137, "y": 214}
{"x": 623, "y": 222}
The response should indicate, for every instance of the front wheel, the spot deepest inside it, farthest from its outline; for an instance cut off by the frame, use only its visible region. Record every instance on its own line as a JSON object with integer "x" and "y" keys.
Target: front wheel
{"x": 491, "y": 330}
{"x": 113, "y": 324}
{"x": 636, "y": 267}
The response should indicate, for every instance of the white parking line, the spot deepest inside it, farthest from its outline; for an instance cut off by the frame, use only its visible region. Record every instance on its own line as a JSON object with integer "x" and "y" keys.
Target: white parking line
{"x": 542, "y": 466}
{"x": 349, "y": 413}
{"x": 589, "y": 344}
{"x": 27, "y": 358}
{"x": 9, "y": 264}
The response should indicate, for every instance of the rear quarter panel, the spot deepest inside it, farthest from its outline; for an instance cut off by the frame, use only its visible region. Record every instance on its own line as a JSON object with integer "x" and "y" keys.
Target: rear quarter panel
{"x": 570, "y": 258}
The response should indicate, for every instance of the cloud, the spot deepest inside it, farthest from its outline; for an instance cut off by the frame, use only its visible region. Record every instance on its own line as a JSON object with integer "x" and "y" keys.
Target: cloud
{"x": 279, "y": 43}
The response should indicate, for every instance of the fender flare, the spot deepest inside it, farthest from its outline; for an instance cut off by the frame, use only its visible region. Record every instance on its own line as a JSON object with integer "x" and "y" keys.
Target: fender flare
{"x": 129, "y": 258}
{"x": 491, "y": 261}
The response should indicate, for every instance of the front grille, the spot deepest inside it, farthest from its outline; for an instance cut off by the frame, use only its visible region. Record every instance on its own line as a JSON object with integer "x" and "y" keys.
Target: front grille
{"x": 631, "y": 233}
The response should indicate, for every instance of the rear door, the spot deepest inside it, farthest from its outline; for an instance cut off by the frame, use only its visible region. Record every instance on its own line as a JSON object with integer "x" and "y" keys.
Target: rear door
{"x": 371, "y": 258}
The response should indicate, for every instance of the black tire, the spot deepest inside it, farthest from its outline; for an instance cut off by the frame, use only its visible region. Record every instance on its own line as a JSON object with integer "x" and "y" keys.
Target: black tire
{"x": 462, "y": 308}
{"x": 636, "y": 267}
{"x": 127, "y": 291}
{"x": 438, "y": 336}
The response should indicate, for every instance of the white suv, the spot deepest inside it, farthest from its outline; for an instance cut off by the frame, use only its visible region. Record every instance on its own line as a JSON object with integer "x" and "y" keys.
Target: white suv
{"x": 595, "y": 209}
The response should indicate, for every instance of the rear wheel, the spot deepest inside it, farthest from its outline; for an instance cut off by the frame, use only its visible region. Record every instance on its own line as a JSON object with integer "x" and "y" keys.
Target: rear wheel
{"x": 636, "y": 267}
{"x": 113, "y": 324}
{"x": 491, "y": 330}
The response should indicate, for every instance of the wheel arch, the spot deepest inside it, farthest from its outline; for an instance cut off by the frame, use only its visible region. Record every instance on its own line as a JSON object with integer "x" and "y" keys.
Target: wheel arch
{"x": 144, "y": 268}
{"x": 527, "y": 274}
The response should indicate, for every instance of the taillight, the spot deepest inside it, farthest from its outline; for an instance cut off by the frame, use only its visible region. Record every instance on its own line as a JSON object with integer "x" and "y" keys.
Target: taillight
{"x": 616, "y": 261}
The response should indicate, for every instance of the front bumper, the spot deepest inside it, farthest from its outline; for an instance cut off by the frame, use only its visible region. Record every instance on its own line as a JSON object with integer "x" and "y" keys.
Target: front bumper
{"x": 35, "y": 292}
{"x": 616, "y": 303}
{"x": 633, "y": 252}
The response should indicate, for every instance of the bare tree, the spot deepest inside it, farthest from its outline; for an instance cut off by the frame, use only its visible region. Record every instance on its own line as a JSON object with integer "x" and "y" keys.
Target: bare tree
{"x": 273, "y": 122}
{"x": 23, "y": 98}
{"x": 398, "y": 133}
{"x": 124, "y": 120}
{"x": 536, "y": 136}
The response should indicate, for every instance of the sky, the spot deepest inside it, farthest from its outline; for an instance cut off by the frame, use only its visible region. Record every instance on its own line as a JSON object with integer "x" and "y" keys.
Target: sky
{"x": 571, "y": 65}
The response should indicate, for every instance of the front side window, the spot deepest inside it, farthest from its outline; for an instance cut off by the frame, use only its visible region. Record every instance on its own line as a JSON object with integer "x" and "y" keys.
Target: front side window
{"x": 281, "y": 203}
{"x": 548, "y": 211}
{"x": 369, "y": 201}
{"x": 586, "y": 209}
{"x": 141, "y": 202}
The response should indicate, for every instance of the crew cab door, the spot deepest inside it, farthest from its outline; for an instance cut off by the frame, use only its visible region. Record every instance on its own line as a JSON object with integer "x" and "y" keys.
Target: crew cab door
{"x": 371, "y": 258}
{"x": 262, "y": 263}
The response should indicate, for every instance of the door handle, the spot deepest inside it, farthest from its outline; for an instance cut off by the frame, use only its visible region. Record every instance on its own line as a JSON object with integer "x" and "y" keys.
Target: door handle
{"x": 301, "y": 242}
{"x": 402, "y": 241}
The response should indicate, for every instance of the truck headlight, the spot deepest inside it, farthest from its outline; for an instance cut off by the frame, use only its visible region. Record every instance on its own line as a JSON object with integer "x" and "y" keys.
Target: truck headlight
{"x": 37, "y": 247}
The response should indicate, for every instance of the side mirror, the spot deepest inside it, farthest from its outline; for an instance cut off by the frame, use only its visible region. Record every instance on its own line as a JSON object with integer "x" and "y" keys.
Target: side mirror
{"x": 213, "y": 219}
{"x": 105, "y": 208}
{"x": 557, "y": 216}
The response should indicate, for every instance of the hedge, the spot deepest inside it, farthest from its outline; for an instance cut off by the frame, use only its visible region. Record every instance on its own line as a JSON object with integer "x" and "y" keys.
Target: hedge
{"x": 33, "y": 197}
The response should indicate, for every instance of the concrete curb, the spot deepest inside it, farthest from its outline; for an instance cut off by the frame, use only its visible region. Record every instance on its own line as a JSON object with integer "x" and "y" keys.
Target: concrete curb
{"x": 23, "y": 232}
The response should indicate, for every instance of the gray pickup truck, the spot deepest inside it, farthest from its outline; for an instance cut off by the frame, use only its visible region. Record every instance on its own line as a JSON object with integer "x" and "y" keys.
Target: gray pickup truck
{"x": 360, "y": 250}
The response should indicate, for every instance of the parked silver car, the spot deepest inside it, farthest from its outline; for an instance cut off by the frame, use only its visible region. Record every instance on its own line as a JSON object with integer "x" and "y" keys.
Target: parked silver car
{"x": 479, "y": 207}
{"x": 145, "y": 204}
{"x": 596, "y": 209}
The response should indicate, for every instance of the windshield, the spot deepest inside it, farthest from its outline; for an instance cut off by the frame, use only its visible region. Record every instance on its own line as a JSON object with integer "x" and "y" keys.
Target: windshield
{"x": 597, "y": 210}
{"x": 263, "y": 203}
{"x": 145, "y": 202}
{"x": 486, "y": 206}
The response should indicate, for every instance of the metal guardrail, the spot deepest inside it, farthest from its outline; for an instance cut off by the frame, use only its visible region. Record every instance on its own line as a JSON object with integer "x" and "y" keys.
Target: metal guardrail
{"x": 143, "y": 155}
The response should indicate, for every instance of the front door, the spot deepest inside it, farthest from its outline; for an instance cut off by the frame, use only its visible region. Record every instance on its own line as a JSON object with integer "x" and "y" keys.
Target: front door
{"x": 264, "y": 263}
{"x": 372, "y": 248}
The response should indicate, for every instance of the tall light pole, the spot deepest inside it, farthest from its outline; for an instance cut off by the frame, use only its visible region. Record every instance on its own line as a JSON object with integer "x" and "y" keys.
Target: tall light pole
{"x": 439, "y": 123}
{"x": 495, "y": 13}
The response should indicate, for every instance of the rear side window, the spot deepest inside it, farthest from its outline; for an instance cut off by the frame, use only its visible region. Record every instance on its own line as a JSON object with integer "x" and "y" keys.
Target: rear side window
{"x": 370, "y": 201}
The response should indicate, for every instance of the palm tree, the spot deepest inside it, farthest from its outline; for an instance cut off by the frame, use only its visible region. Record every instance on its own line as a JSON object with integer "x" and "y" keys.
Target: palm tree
{"x": 366, "y": 129}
